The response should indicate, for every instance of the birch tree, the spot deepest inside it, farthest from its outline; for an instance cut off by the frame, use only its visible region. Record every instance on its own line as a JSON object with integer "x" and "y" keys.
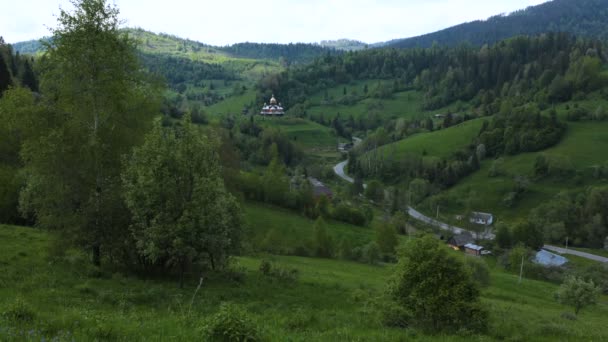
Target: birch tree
{"x": 97, "y": 107}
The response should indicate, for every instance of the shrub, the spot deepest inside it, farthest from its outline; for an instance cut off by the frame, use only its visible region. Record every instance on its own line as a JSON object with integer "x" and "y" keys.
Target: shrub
{"x": 426, "y": 278}
{"x": 479, "y": 271}
{"x": 277, "y": 272}
{"x": 300, "y": 320}
{"x": 265, "y": 267}
{"x": 19, "y": 312}
{"x": 231, "y": 323}
{"x": 394, "y": 315}
{"x": 371, "y": 253}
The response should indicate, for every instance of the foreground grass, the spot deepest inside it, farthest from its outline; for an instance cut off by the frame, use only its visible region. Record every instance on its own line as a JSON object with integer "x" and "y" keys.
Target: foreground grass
{"x": 332, "y": 301}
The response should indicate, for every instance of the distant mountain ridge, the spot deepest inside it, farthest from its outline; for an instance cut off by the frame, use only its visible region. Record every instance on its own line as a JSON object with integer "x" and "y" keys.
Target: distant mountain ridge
{"x": 163, "y": 43}
{"x": 587, "y": 18}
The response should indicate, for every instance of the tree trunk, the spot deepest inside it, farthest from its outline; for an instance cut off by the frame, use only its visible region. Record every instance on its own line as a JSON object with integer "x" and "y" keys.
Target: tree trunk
{"x": 181, "y": 275}
{"x": 96, "y": 254}
{"x": 212, "y": 261}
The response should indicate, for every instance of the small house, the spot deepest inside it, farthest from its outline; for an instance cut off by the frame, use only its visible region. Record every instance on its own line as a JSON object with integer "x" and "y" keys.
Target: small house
{"x": 473, "y": 249}
{"x": 546, "y": 258}
{"x": 345, "y": 147}
{"x": 484, "y": 219}
{"x": 319, "y": 189}
{"x": 458, "y": 241}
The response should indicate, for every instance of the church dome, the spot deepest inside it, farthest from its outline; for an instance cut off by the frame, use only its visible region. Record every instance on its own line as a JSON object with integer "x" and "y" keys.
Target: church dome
{"x": 273, "y": 101}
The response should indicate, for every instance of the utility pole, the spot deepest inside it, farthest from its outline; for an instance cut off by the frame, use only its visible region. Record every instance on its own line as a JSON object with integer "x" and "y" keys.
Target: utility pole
{"x": 521, "y": 269}
{"x": 566, "y": 242}
{"x": 437, "y": 215}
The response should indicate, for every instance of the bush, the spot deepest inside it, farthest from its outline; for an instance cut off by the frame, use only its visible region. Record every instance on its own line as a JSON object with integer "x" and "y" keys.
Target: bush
{"x": 394, "y": 316}
{"x": 279, "y": 273}
{"x": 265, "y": 267}
{"x": 371, "y": 253}
{"x": 19, "y": 312}
{"x": 426, "y": 278}
{"x": 230, "y": 324}
{"x": 351, "y": 215}
{"x": 479, "y": 270}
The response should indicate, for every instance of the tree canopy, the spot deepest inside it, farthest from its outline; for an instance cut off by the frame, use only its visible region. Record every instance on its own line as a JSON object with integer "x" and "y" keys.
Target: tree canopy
{"x": 436, "y": 288}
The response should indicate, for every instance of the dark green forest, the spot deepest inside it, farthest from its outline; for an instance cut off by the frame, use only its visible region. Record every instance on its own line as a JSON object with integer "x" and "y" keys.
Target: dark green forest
{"x": 584, "y": 18}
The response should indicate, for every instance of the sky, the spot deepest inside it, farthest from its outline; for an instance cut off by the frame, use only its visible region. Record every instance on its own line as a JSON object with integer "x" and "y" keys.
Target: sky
{"x": 223, "y": 22}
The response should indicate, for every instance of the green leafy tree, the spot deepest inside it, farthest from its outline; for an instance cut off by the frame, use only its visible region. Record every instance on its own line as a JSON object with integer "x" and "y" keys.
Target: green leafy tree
{"x": 275, "y": 182}
{"x": 98, "y": 106}
{"x": 529, "y": 234}
{"x": 322, "y": 242}
{"x": 386, "y": 238}
{"x": 503, "y": 236}
{"x": 436, "y": 288}
{"x": 374, "y": 191}
{"x": 5, "y": 75}
{"x": 182, "y": 213}
{"x": 578, "y": 293}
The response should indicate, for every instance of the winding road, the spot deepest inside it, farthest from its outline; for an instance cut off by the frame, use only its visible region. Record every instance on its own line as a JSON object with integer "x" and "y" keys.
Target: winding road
{"x": 339, "y": 170}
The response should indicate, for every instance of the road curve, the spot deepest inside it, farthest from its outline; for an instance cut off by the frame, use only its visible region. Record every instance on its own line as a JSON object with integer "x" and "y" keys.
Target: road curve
{"x": 577, "y": 253}
{"x": 339, "y": 170}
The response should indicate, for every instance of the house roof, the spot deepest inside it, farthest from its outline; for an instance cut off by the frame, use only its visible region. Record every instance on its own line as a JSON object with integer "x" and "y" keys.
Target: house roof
{"x": 482, "y": 216}
{"x": 546, "y": 258}
{"x": 462, "y": 239}
{"x": 473, "y": 246}
{"x": 318, "y": 188}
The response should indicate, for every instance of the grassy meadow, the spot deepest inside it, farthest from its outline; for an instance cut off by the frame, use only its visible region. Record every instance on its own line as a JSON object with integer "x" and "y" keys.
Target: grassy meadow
{"x": 59, "y": 295}
{"x": 583, "y": 146}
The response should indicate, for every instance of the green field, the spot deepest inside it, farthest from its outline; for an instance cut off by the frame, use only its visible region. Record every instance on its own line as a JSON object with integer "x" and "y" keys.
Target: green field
{"x": 405, "y": 104}
{"x": 308, "y": 134}
{"x": 441, "y": 143}
{"x": 289, "y": 231}
{"x": 332, "y": 300}
{"x": 583, "y": 146}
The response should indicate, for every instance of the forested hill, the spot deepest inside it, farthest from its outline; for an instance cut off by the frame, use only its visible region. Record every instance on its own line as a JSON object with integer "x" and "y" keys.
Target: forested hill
{"x": 580, "y": 17}
{"x": 286, "y": 53}
{"x": 162, "y": 43}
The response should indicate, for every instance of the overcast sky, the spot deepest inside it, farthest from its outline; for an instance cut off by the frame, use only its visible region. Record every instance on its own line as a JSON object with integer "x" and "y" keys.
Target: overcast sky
{"x": 222, "y": 22}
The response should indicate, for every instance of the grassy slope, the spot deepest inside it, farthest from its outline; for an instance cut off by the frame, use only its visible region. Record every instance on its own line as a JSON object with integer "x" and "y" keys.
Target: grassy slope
{"x": 331, "y": 301}
{"x": 308, "y": 134}
{"x": 405, "y": 104}
{"x": 440, "y": 143}
{"x": 292, "y": 230}
{"x": 584, "y": 145}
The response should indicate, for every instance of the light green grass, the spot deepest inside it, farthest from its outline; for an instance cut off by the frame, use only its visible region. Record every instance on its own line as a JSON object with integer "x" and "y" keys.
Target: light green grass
{"x": 584, "y": 145}
{"x": 293, "y": 230}
{"x": 332, "y": 301}
{"x": 308, "y": 134}
{"x": 440, "y": 143}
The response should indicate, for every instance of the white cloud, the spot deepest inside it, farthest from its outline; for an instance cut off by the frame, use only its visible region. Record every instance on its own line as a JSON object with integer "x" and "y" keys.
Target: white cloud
{"x": 230, "y": 21}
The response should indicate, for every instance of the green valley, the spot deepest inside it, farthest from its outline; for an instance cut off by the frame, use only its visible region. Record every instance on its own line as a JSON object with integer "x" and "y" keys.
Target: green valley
{"x": 445, "y": 187}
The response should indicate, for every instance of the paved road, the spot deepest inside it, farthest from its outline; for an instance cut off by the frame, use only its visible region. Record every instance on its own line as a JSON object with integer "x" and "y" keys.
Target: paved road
{"x": 441, "y": 225}
{"x": 339, "y": 170}
{"x": 577, "y": 253}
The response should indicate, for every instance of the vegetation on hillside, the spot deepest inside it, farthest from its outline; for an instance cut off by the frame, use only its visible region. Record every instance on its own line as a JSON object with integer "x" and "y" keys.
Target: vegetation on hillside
{"x": 584, "y": 18}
